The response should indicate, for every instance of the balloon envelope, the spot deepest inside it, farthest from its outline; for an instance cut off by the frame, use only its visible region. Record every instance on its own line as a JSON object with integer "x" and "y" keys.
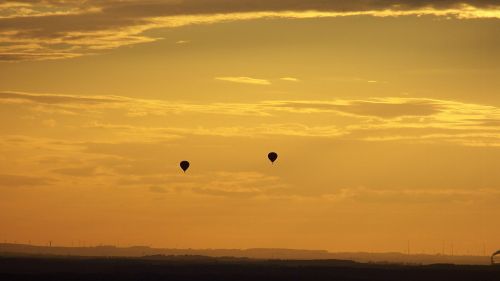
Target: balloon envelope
{"x": 184, "y": 165}
{"x": 272, "y": 156}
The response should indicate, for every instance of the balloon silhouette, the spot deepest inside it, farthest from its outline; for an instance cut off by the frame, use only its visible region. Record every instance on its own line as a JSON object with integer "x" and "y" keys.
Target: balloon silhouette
{"x": 184, "y": 165}
{"x": 272, "y": 156}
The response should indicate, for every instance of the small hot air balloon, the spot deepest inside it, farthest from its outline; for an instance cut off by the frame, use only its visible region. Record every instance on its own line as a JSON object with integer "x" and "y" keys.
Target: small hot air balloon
{"x": 184, "y": 165}
{"x": 272, "y": 156}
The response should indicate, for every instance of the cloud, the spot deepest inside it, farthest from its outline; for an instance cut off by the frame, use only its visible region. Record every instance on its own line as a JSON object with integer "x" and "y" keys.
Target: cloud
{"x": 245, "y": 80}
{"x": 235, "y": 184}
{"x": 134, "y": 107}
{"x": 214, "y": 183}
{"x": 372, "y": 119}
{"x": 77, "y": 171}
{"x": 58, "y": 99}
{"x": 51, "y": 123}
{"x": 419, "y": 196}
{"x": 388, "y": 109}
{"x": 158, "y": 189}
{"x": 379, "y": 107}
{"x": 32, "y": 30}
{"x": 290, "y": 79}
{"x": 7, "y": 180}
{"x": 383, "y": 108}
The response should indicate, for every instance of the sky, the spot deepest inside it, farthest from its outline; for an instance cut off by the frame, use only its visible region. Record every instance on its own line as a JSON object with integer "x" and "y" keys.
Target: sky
{"x": 385, "y": 116}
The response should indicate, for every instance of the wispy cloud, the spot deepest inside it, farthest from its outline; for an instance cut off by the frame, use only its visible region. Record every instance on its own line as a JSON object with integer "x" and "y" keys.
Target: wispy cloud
{"x": 217, "y": 183}
{"x": 375, "y": 119}
{"x": 290, "y": 79}
{"x": 384, "y": 108}
{"x": 8, "y": 180}
{"x": 88, "y": 171}
{"x": 419, "y": 196}
{"x": 59, "y": 99}
{"x": 244, "y": 80}
{"x": 32, "y": 30}
{"x": 235, "y": 184}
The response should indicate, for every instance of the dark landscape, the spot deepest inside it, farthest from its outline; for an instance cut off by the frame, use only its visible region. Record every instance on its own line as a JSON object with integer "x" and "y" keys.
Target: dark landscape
{"x": 206, "y": 268}
{"x": 25, "y": 262}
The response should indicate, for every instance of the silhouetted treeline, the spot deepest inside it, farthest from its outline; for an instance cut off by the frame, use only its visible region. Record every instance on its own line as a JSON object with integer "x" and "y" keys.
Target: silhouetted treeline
{"x": 139, "y": 251}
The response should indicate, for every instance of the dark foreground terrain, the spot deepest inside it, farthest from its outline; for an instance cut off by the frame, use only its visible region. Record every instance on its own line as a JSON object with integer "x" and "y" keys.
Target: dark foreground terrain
{"x": 198, "y": 268}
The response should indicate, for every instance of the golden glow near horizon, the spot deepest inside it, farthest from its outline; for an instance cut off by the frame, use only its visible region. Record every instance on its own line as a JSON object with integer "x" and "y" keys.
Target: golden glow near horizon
{"x": 386, "y": 119}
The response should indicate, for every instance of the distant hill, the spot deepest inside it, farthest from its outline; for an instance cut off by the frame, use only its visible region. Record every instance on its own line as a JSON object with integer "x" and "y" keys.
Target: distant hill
{"x": 256, "y": 253}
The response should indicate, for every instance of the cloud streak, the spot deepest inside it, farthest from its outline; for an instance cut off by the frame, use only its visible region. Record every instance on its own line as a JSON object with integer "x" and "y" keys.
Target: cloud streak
{"x": 419, "y": 196}
{"x": 290, "y": 79}
{"x": 8, "y": 180}
{"x": 32, "y": 30}
{"x": 376, "y": 119}
{"x": 245, "y": 80}
{"x": 56, "y": 99}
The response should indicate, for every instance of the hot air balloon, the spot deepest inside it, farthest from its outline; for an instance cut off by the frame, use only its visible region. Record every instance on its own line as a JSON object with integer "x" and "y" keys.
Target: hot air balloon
{"x": 272, "y": 156}
{"x": 184, "y": 165}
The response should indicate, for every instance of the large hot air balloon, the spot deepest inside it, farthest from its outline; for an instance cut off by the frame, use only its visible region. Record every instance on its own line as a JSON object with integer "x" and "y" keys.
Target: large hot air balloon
{"x": 272, "y": 156}
{"x": 184, "y": 165}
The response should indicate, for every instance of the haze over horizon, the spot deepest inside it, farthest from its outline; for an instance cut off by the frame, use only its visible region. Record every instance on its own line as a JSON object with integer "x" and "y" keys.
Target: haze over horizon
{"x": 385, "y": 116}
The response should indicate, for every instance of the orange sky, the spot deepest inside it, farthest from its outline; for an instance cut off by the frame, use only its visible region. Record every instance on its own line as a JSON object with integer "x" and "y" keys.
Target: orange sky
{"x": 385, "y": 116}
